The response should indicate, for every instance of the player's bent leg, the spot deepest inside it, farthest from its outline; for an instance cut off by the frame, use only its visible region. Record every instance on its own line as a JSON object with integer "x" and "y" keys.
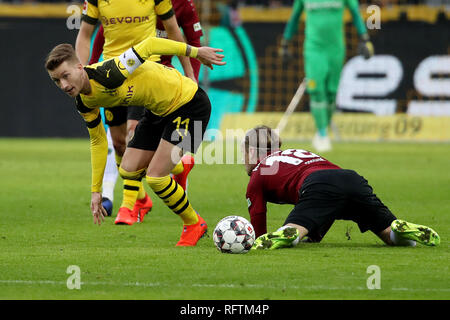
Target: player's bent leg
{"x": 136, "y": 203}
{"x": 302, "y": 231}
{"x": 132, "y": 183}
{"x": 134, "y": 114}
{"x": 319, "y": 111}
{"x": 134, "y": 196}
{"x": 316, "y": 70}
{"x": 131, "y": 127}
{"x": 164, "y": 160}
{"x": 415, "y": 232}
{"x": 331, "y": 106}
{"x": 118, "y": 135}
{"x": 182, "y": 169}
{"x": 385, "y": 235}
{"x": 173, "y": 195}
{"x": 336, "y": 61}
{"x": 392, "y": 239}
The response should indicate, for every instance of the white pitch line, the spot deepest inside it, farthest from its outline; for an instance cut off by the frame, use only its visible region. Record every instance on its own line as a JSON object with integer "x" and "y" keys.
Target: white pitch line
{"x": 205, "y": 285}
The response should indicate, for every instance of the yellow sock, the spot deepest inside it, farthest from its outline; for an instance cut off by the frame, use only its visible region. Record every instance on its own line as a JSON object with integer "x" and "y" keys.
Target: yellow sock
{"x": 133, "y": 187}
{"x": 179, "y": 168}
{"x": 130, "y": 193}
{"x": 141, "y": 192}
{"x": 174, "y": 197}
{"x": 118, "y": 160}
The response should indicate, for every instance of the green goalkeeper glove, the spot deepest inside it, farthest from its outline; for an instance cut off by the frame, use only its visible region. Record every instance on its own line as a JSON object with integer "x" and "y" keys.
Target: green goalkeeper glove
{"x": 365, "y": 47}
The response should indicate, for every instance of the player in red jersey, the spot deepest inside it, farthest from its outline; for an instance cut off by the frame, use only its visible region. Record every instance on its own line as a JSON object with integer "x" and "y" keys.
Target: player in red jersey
{"x": 321, "y": 191}
{"x": 188, "y": 20}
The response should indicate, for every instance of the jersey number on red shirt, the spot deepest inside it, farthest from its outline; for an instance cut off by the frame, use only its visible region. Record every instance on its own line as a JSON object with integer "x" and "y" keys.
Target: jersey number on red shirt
{"x": 292, "y": 156}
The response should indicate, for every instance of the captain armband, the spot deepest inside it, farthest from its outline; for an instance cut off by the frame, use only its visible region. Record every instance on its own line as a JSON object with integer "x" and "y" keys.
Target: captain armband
{"x": 130, "y": 60}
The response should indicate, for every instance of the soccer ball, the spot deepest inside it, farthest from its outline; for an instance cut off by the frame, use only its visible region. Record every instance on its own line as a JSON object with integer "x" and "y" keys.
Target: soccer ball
{"x": 234, "y": 234}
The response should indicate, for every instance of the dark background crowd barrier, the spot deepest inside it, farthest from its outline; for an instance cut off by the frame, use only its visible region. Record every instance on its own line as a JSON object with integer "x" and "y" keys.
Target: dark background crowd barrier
{"x": 255, "y": 79}
{"x": 31, "y": 104}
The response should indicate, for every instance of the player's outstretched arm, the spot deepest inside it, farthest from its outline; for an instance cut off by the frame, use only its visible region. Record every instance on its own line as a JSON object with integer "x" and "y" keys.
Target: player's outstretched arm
{"x": 162, "y": 46}
{"x": 99, "y": 153}
{"x": 131, "y": 59}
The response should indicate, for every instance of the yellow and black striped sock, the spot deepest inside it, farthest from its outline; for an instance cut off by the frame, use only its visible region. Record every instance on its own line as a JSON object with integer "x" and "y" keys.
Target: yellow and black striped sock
{"x": 133, "y": 187}
{"x": 130, "y": 193}
{"x": 174, "y": 197}
{"x": 141, "y": 192}
{"x": 179, "y": 168}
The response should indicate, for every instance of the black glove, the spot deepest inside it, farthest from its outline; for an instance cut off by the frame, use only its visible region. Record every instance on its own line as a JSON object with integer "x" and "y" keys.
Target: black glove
{"x": 283, "y": 51}
{"x": 365, "y": 47}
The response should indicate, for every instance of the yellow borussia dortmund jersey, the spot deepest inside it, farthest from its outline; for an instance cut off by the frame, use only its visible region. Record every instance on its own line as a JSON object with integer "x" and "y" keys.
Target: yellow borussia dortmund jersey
{"x": 158, "y": 88}
{"x": 131, "y": 80}
{"x": 126, "y": 22}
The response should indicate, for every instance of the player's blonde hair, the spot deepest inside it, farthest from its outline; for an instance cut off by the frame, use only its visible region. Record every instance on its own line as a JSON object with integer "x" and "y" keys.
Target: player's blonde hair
{"x": 263, "y": 138}
{"x": 59, "y": 54}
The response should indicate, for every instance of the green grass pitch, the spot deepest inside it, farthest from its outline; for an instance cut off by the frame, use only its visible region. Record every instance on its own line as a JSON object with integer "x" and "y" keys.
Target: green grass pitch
{"x": 46, "y": 226}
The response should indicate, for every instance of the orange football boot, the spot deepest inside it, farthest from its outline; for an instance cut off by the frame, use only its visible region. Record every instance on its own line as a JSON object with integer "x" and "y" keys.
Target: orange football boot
{"x": 142, "y": 207}
{"x": 188, "y": 164}
{"x": 192, "y": 233}
{"x": 126, "y": 216}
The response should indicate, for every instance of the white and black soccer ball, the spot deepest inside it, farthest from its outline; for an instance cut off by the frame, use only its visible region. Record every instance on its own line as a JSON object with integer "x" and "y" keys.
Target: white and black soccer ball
{"x": 234, "y": 234}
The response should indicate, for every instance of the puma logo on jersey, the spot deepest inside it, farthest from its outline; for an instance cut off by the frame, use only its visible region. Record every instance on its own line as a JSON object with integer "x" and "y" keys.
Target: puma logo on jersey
{"x": 129, "y": 95}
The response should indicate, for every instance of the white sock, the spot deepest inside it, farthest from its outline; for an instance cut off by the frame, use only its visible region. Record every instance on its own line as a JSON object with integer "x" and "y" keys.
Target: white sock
{"x": 397, "y": 240}
{"x": 111, "y": 172}
{"x": 296, "y": 241}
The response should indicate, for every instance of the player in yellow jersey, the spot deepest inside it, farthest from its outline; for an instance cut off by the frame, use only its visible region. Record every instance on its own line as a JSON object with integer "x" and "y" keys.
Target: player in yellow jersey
{"x": 177, "y": 113}
{"x": 126, "y": 23}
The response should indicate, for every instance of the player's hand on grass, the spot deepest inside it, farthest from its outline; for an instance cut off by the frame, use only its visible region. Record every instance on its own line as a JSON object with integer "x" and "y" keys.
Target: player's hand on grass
{"x": 365, "y": 47}
{"x": 209, "y": 56}
{"x": 98, "y": 212}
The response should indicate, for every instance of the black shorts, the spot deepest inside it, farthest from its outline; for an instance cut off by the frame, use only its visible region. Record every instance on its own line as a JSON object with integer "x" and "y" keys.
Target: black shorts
{"x": 119, "y": 115}
{"x": 327, "y": 195}
{"x": 184, "y": 127}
